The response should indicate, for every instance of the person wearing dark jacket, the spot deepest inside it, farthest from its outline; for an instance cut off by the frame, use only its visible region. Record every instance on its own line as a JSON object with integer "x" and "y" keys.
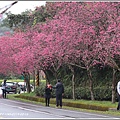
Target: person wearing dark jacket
{"x": 59, "y": 93}
{"x": 48, "y": 90}
{"x": 4, "y": 89}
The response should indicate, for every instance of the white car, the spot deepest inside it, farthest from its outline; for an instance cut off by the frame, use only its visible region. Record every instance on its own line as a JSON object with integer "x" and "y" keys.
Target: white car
{"x": 22, "y": 85}
{"x": 12, "y": 87}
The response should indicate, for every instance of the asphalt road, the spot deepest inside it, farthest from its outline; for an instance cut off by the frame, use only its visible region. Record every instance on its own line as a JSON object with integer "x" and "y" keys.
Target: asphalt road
{"x": 15, "y": 109}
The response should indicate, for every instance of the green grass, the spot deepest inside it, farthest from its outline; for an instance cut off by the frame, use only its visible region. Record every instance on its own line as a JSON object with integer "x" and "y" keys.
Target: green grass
{"x": 100, "y": 103}
{"x": 29, "y": 94}
{"x": 13, "y": 80}
{"x": 90, "y": 102}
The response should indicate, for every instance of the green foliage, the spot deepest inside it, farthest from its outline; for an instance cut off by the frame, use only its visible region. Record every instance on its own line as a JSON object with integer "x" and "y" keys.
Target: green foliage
{"x": 27, "y": 18}
{"x": 16, "y": 21}
{"x": 100, "y": 93}
{"x": 68, "y": 92}
{"x": 40, "y": 90}
{"x": 103, "y": 93}
{"x": 82, "y": 93}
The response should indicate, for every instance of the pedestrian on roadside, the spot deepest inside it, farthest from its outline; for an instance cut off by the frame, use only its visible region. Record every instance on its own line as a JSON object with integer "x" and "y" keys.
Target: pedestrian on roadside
{"x": 48, "y": 90}
{"x": 4, "y": 88}
{"x": 59, "y": 93}
{"x": 118, "y": 91}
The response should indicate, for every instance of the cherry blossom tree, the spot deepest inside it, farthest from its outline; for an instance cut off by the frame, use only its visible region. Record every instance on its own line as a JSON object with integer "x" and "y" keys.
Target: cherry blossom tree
{"x": 5, "y": 53}
{"x": 78, "y": 30}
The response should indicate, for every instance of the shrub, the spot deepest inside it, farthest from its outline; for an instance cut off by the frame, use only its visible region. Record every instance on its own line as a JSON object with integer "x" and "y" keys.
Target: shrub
{"x": 102, "y": 93}
{"x": 82, "y": 93}
{"x": 40, "y": 90}
{"x": 68, "y": 92}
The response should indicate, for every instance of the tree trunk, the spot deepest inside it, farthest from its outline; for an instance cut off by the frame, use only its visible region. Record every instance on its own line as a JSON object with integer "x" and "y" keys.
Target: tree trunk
{"x": 46, "y": 76}
{"x": 55, "y": 74}
{"x": 73, "y": 86}
{"x": 26, "y": 76}
{"x": 73, "y": 81}
{"x": 114, "y": 87}
{"x": 28, "y": 83}
{"x": 91, "y": 84}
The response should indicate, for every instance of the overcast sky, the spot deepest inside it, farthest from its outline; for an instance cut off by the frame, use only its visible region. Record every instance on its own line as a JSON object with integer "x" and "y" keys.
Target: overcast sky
{"x": 21, "y": 6}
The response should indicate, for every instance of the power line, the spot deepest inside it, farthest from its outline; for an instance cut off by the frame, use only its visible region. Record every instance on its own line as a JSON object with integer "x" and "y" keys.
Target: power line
{"x": 5, "y": 8}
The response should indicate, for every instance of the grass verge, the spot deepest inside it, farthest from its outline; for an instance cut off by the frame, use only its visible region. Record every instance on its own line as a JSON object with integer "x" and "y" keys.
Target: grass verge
{"x": 103, "y": 103}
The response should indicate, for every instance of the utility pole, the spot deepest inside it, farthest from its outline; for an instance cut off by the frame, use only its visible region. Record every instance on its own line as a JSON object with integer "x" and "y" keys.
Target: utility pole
{"x": 37, "y": 78}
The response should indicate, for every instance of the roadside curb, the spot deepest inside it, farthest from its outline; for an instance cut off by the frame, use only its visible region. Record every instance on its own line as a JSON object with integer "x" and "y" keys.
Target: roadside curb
{"x": 112, "y": 109}
{"x": 69, "y": 104}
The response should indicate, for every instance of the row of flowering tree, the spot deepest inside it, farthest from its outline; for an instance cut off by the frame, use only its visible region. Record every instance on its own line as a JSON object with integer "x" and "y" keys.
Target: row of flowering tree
{"x": 81, "y": 34}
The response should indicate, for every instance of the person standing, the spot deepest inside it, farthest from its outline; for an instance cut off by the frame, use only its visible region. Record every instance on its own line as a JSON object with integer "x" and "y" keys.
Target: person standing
{"x": 118, "y": 91}
{"x": 4, "y": 89}
{"x": 59, "y": 93}
{"x": 48, "y": 90}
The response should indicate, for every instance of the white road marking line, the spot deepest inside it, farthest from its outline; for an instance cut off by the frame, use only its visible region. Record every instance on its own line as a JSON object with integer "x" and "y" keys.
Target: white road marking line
{"x": 36, "y": 111}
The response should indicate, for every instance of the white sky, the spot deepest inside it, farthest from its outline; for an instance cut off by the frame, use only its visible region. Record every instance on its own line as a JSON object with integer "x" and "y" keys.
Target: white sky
{"x": 21, "y": 6}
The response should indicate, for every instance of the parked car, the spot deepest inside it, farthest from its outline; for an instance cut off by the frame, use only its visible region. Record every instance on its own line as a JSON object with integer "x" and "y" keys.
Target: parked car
{"x": 23, "y": 86}
{"x": 12, "y": 87}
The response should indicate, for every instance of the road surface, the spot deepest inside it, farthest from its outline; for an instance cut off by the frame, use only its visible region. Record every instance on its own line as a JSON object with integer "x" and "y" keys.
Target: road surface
{"x": 17, "y": 109}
